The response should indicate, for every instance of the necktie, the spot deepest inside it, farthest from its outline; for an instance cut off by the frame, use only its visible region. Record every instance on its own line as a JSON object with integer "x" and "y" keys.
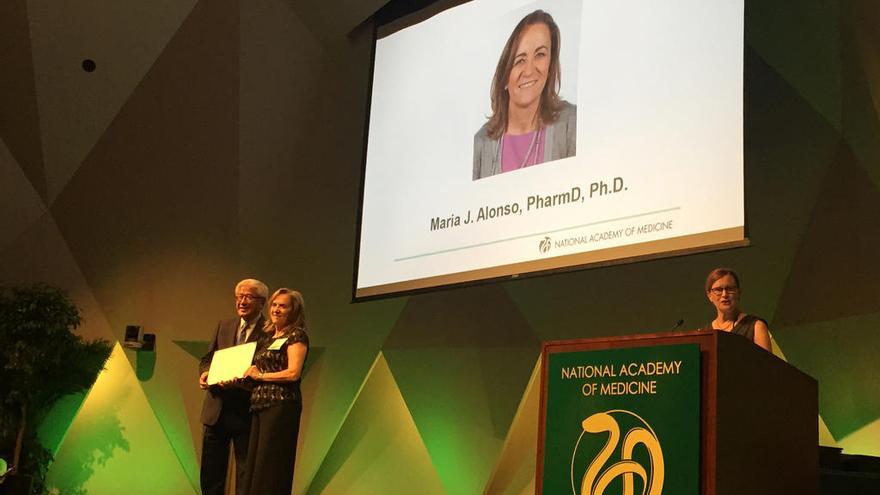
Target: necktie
{"x": 242, "y": 333}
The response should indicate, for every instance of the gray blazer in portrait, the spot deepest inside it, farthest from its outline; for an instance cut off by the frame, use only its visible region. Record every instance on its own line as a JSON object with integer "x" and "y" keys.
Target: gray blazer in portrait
{"x": 561, "y": 142}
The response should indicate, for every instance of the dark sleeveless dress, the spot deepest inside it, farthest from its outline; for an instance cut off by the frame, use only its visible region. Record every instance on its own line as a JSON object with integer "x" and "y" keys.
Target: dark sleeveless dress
{"x": 745, "y": 327}
{"x": 276, "y": 408}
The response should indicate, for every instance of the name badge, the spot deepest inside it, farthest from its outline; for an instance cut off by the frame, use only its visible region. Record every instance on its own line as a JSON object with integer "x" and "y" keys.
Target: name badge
{"x": 277, "y": 344}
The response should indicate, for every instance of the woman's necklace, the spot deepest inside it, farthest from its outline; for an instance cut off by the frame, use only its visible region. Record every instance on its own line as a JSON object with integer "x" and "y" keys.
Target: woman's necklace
{"x": 525, "y": 159}
{"x": 727, "y": 325}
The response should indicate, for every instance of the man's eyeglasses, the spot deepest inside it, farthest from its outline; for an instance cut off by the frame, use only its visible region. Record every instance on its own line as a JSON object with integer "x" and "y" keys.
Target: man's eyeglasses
{"x": 246, "y": 297}
{"x": 720, "y": 290}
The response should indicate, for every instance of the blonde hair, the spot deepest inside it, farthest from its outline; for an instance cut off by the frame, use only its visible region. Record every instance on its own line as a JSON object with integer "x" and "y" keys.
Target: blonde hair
{"x": 296, "y": 320}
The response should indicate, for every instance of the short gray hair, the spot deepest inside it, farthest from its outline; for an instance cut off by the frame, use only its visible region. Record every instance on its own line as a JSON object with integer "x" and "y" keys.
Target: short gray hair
{"x": 262, "y": 289}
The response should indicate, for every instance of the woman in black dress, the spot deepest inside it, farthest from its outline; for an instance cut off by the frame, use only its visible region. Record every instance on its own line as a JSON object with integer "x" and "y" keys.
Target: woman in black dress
{"x": 723, "y": 291}
{"x": 276, "y": 401}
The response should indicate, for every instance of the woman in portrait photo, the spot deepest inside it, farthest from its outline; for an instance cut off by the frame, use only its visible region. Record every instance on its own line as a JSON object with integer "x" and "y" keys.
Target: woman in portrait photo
{"x": 529, "y": 124}
{"x": 276, "y": 400}
{"x": 724, "y": 291}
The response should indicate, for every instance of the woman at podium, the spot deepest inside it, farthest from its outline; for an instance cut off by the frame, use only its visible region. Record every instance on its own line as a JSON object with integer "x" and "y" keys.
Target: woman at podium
{"x": 724, "y": 291}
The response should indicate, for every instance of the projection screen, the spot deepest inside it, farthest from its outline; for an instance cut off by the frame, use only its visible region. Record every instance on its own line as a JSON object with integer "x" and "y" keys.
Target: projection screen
{"x": 616, "y": 134}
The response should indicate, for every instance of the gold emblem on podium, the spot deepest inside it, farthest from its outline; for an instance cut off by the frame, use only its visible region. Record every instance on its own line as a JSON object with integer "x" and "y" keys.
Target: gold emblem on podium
{"x": 605, "y": 467}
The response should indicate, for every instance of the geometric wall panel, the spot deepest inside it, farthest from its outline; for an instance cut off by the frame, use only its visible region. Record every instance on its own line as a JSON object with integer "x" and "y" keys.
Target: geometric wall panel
{"x": 168, "y": 199}
{"x": 803, "y": 46}
{"x": 861, "y": 76}
{"x": 825, "y": 437}
{"x": 54, "y": 427}
{"x": 195, "y": 348}
{"x": 866, "y": 18}
{"x": 864, "y": 441}
{"x": 515, "y": 471}
{"x": 838, "y": 251}
{"x": 351, "y": 337}
{"x": 115, "y": 444}
{"x": 19, "y": 117}
{"x": 333, "y": 22}
{"x": 842, "y": 355}
{"x": 41, "y": 254}
{"x": 785, "y": 173}
{"x": 473, "y": 342}
{"x": 122, "y": 39}
{"x": 377, "y": 453}
{"x": 20, "y": 203}
{"x": 584, "y": 304}
{"x": 455, "y": 425}
{"x": 168, "y": 393}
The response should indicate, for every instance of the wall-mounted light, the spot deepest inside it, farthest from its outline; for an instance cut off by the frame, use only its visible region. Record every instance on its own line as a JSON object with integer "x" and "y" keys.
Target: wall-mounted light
{"x": 133, "y": 339}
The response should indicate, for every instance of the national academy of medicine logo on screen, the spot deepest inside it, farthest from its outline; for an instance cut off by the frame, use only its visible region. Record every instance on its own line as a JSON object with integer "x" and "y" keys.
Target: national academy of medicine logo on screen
{"x": 544, "y": 245}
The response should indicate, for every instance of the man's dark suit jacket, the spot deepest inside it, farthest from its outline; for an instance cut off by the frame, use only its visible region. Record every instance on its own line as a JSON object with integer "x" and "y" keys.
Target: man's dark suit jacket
{"x": 232, "y": 398}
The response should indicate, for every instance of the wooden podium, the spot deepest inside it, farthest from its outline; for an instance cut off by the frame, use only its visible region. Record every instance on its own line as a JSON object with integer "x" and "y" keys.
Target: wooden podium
{"x": 758, "y": 431}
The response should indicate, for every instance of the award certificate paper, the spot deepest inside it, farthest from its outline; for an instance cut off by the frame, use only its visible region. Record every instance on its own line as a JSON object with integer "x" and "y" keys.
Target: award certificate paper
{"x": 231, "y": 362}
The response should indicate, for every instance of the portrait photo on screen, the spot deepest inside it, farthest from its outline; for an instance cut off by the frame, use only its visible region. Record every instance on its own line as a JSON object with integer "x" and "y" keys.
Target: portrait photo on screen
{"x": 530, "y": 123}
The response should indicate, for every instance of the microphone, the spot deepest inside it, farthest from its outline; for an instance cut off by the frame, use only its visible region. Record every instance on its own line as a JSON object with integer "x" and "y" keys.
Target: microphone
{"x": 678, "y": 324}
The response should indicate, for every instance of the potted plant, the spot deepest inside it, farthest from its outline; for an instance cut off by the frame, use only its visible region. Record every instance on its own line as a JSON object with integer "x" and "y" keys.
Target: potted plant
{"x": 41, "y": 361}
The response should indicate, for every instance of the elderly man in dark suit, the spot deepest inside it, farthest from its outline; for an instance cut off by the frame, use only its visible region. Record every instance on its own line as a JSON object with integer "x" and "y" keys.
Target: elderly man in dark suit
{"x": 226, "y": 410}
